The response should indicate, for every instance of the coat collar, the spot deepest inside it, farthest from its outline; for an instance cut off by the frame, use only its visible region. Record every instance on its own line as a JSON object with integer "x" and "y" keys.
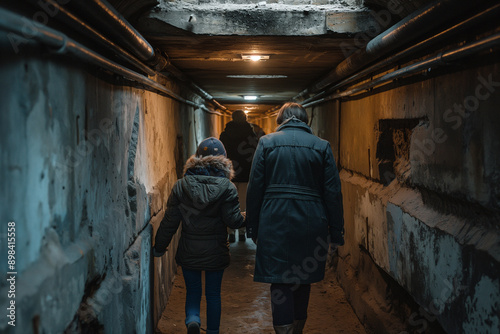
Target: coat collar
{"x": 294, "y": 122}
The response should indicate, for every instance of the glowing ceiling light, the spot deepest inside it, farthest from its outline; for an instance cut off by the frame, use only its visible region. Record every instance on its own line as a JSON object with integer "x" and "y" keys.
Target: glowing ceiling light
{"x": 250, "y": 97}
{"x": 255, "y": 57}
{"x": 246, "y": 111}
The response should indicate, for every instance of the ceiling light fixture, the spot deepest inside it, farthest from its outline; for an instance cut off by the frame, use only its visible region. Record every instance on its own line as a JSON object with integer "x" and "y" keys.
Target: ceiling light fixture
{"x": 256, "y": 76}
{"x": 254, "y": 57}
{"x": 250, "y": 97}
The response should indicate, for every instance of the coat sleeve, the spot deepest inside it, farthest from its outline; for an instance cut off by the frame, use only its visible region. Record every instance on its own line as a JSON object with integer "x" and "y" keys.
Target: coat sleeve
{"x": 333, "y": 199}
{"x": 231, "y": 214}
{"x": 255, "y": 191}
{"x": 169, "y": 224}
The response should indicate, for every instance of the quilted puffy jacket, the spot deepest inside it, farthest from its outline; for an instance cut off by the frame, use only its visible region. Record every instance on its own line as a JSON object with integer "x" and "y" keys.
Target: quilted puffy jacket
{"x": 206, "y": 205}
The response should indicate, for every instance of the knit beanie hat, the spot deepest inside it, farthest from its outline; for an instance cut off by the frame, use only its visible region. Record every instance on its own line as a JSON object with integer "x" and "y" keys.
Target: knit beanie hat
{"x": 211, "y": 146}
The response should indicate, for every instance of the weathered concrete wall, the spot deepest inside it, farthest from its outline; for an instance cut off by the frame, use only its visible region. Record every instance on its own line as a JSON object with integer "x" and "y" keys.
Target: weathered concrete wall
{"x": 262, "y": 3}
{"x": 254, "y": 18}
{"x": 86, "y": 166}
{"x": 420, "y": 185}
{"x": 325, "y": 123}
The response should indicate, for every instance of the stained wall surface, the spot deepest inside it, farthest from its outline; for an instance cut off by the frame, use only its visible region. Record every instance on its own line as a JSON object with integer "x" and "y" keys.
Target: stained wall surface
{"x": 87, "y": 166}
{"x": 421, "y": 201}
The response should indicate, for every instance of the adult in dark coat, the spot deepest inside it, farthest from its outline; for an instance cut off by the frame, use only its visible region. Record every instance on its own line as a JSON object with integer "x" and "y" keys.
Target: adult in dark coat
{"x": 206, "y": 202}
{"x": 240, "y": 142}
{"x": 294, "y": 211}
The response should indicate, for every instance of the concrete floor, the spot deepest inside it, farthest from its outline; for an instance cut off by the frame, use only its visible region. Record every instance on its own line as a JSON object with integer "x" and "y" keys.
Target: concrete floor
{"x": 246, "y": 305}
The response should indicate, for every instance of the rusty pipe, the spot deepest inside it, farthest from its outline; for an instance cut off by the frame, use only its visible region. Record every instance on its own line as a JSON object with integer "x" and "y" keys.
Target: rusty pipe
{"x": 62, "y": 44}
{"x": 67, "y": 17}
{"x": 158, "y": 62}
{"x": 441, "y": 59}
{"x": 110, "y": 22}
{"x": 477, "y": 19}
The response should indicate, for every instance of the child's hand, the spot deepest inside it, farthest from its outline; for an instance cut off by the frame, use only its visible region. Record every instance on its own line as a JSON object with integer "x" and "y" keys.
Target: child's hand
{"x": 158, "y": 254}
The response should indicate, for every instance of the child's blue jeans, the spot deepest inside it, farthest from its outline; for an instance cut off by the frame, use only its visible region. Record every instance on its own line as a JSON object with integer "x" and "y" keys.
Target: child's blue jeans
{"x": 213, "y": 280}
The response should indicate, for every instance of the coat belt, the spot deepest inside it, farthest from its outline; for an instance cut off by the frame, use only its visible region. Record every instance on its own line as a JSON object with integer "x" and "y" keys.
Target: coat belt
{"x": 203, "y": 236}
{"x": 282, "y": 190}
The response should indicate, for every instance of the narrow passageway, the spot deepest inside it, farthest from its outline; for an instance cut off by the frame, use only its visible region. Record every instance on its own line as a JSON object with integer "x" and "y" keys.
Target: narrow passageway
{"x": 104, "y": 101}
{"x": 246, "y": 307}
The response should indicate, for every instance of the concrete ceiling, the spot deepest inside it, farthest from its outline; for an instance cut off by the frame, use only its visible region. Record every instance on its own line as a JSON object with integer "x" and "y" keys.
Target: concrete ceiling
{"x": 304, "y": 42}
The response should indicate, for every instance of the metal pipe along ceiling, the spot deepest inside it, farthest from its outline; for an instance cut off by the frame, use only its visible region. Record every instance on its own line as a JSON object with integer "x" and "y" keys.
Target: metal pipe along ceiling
{"x": 72, "y": 20}
{"x": 442, "y": 59}
{"x": 475, "y": 20}
{"x": 405, "y": 31}
{"x": 107, "y": 19}
{"x": 62, "y": 44}
{"x": 158, "y": 61}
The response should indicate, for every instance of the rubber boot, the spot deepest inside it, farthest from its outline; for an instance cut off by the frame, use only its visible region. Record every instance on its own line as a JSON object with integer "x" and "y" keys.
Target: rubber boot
{"x": 284, "y": 329}
{"x": 193, "y": 328}
{"x": 298, "y": 326}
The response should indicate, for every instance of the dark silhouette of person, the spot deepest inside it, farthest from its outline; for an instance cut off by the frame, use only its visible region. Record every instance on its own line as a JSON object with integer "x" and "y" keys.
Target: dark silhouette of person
{"x": 240, "y": 142}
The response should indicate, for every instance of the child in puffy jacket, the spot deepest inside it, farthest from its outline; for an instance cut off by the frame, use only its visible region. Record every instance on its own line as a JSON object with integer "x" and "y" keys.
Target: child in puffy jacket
{"x": 206, "y": 201}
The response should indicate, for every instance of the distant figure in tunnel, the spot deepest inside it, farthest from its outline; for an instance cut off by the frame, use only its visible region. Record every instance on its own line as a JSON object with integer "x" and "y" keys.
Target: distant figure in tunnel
{"x": 240, "y": 141}
{"x": 294, "y": 214}
{"x": 207, "y": 203}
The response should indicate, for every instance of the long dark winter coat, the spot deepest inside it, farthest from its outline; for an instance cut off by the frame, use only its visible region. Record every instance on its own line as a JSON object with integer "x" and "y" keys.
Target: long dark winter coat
{"x": 206, "y": 205}
{"x": 293, "y": 203}
{"x": 240, "y": 142}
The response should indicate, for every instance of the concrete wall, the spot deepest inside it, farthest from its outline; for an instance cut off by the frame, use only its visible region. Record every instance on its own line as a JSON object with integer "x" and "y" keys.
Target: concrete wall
{"x": 86, "y": 168}
{"x": 421, "y": 198}
{"x": 244, "y": 2}
{"x": 325, "y": 123}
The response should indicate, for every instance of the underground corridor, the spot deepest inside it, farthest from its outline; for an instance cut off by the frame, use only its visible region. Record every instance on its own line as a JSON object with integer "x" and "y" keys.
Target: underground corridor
{"x": 105, "y": 101}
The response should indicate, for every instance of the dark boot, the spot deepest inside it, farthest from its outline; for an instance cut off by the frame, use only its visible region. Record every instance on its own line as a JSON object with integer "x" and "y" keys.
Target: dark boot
{"x": 284, "y": 329}
{"x": 212, "y": 331}
{"x": 298, "y": 326}
{"x": 193, "y": 328}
